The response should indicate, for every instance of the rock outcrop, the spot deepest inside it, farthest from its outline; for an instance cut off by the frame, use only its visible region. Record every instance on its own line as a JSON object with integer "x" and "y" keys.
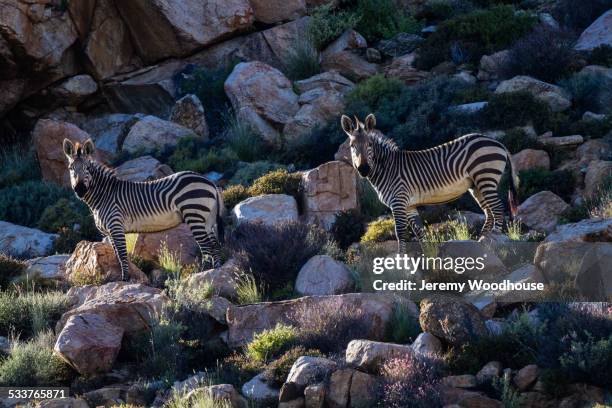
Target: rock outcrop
{"x": 597, "y": 34}
{"x": 552, "y": 95}
{"x": 23, "y": 241}
{"x": 542, "y": 211}
{"x": 269, "y": 209}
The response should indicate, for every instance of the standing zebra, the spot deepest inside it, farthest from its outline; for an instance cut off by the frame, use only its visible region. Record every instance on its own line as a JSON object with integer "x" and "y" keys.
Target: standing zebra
{"x": 121, "y": 206}
{"x": 406, "y": 179}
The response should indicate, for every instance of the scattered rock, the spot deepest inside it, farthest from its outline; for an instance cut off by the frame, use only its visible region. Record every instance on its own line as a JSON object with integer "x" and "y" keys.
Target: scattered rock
{"x": 460, "y": 381}
{"x": 323, "y": 275}
{"x": 560, "y": 141}
{"x": 451, "y": 318}
{"x": 68, "y": 402}
{"x": 541, "y": 211}
{"x": 427, "y": 343}
{"x": 329, "y": 81}
{"x": 274, "y": 11}
{"x": 339, "y": 388}
{"x": 350, "y": 64}
{"x": 593, "y": 117}
{"x": 309, "y": 371}
{"x": 598, "y": 33}
{"x": 314, "y": 396}
{"x": 189, "y": 112}
{"x": 593, "y": 279}
{"x": 528, "y": 159}
{"x": 554, "y": 96}
{"x": 144, "y": 168}
{"x": 49, "y": 268}
{"x": 179, "y": 241}
{"x": 151, "y": 132}
{"x": 75, "y": 90}
{"x": 592, "y": 230}
{"x": 526, "y": 377}
{"x": 96, "y": 262}
{"x": 597, "y": 172}
{"x": 223, "y": 280}
{"x": 258, "y": 390}
{"x": 109, "y": 130}
{"x": 493, "y": 66}
{"x": 371, "y": 355}
{"x": 555, "y": 268}
{"x": 316, "y": 106}
{"x": 363, "y": 390}
{"x": 403, "y": 69}
{"x": 328, "y": 189}
{"x": 592, "y": 150}
{"x": 269, "y": 209}
{"x": 491, "y": 370}
{"x": 400, "y": 44}
{"x": 85, "y": 335}
{"x": 23, "y": 241}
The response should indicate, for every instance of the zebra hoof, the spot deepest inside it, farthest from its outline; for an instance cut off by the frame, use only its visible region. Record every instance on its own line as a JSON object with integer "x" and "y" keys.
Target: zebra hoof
{"x": 125, "y": 278}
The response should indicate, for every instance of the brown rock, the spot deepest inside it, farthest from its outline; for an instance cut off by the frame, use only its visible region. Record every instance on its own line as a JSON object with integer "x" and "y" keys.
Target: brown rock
{"x": 314, "y": 396}
{"x": 224, "y": 280}
{"x": 593, "y": 149}
{"x": 328, "y": 189}
{"x": 328, "y": 81}
{"x": 270, "y": 12}
{"x": 349, "y": 64}
{"x": 63, "y": 403}
{"x": 339, "y": 388}
{"x": 597, "y": 172}
{"x": 591, "y": 230}
{"x": 528, "y": 159}
{"x": 593, "y": 279}
{"x": 363, "y": 390}
{"x": 493, "y": 65}
{"x": 555, "y": 268}
{"x": 151, "y": 132}
{"x": 561, "y": 141}
{"x": 402, "y": 68}
{"x": 541, "y": 211}
{"x": 371, "y": 355}
{"x": 143, "y": 168}
{"x": 316, "y": 106}
{"x": 179, "y": 241}
{"x": 526, "y": 377}
{"x": 488, "y": 372}
{"x": 467, "y": 399}
{"x": 89, "y": 343}
{"x": 323, "y": 275}
{"x": 189, "y": 112}
{"x": 96, "y": 262}
{"x": 75, "y": 90}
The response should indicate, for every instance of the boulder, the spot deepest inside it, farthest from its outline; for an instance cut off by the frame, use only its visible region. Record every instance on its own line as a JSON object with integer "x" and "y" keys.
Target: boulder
{"x": 328, "y": 189}
{"x": 323, "y": 275}
{"x": 108, "y": 130}
{"x": 541, "y": 211}
{"x": 328, "y": 81}
{"x": 593, "y": 279}
{"x": 556, "y": 268}
{"x": 269, "y": 209}
{"x": 258, "y": 390}
{"x": 467, "y": 398}
{"x": 47, "y": 137}
{"x": 592, "y": 150}
{"x": 561, "y": 141}
{"x": 451, "y": 318}
{"x": 96, "y": 262}
{"x": 493, "y": 66}
{"x": 597, "y": 172}
{"x": 143, "y": 168}
{"x": 317, "y": 106}
{"x": 314, "y": 396}
{"x": 488, "y": 372}
{"x": 554, "y": 96}
{"x": 349, "y": 40}
{"x": 526, "y": 377}
{"x": 400, "y": 44}
{"x": 224, "y": 280}
{"x": 370, "y": 356}
{"x": 63, "y": 403}
{"x": 151, "y": 132}
{"x": 86, "y": 335}
{"x": 338, "y": 393}
{"x": 308, "y": 370}
{"x": 132, "y": 306}
{"x": 598, "y": 33}
{"x": 23, "y": 241}
{"x": 262, "y": 97}
{"x": 591, "y": 230}
{"x": 216, "y": 307}
{"x": 48, "y": 268}
{"x": 275, "y": 11}
{"x": 75, "y": 90}
{"x": 427, "y": 344}
{"x": 245, "y": 321}
{"x": 189, "y": 113}
{"x": 162, "y": 28}
{"x": 363, "y": 389}
{"x": 403, "y": 69}
{"x": 350, "y": 64}
{"x": 178, "y": 240}
{"x": 220, "y": 393}
{"x": 528, "y": 159}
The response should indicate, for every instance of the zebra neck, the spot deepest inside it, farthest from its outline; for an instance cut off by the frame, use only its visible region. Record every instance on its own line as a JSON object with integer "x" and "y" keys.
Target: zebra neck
{"x": 383, "y": 157}
{"x": 102, "y": 185}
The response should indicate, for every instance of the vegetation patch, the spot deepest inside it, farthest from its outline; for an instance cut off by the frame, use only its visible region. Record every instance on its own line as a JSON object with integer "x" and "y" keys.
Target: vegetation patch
{"x": 379, "y": 231}
{"x": 268, "y": 344}
{"x": 30, "y": 313}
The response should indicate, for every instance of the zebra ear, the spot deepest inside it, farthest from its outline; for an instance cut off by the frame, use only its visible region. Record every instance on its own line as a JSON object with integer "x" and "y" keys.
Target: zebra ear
{"x": 68, "y": 148}
{"x": 370, "y": 122}
{"x": 88, "y": 147}
{"x": 347, "y": 125}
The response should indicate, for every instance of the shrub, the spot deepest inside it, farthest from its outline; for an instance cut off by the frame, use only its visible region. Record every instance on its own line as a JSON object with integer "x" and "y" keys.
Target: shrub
{"x": 243, "y": 141}
{"x": 268, "y": 344}
{"x": 314, "y": 148}
{"x": 379, "y": 231}
{"x": 9, "y": 268}
{"x": 302, "y": 61}
{"x": 34, "y": 364}
{"x": 589, "y": 360}
{"x": 438, "y": 10}
{"x": 374, "y": 89}
{"x": 275, "y": 254}
{"x": 196, "y": 155}
{"x": 590, "y": 91}
{"x": 235, "y": 194}
{"x": 404, "y": 326}
{"x": 277, "y": 371}
{"x": 25, "y": 203}
{"x": 247, "y": 290}
{"x": 579, "y": 18}
{"x": 477, "y": 33}
{"x": 17, "y": 166}
{"x": 347, "y": 228}
{"x": 560, "y": 182}
{"x": 277, "y": 182}
{"x": 327, "y": 23}
{"x": 517, "y": 139}
{"x": 382, "y": 19}
{"x": 30, "y": 312}
{"x": 247, "y": 173}
{"x": 411, "y": 381}
{"x": 546, "y": 53}
{"x": 512, "y": 109}
{"x": 601, "y": 55}
{"x": 448, "y": 230}
{"x": 510, "y": 397}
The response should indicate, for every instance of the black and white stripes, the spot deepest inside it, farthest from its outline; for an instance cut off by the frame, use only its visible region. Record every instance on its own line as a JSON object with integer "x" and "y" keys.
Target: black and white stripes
{"x": 405, "y": 179}
{"x": 120, "y": 206}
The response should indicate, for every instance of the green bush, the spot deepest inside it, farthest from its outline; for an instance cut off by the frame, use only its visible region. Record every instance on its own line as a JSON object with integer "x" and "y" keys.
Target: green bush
{"x": 348, "y": 227}
{"x": 194, "y": 154}
{"x": 379, "y": 231}
{"x": 404, "y": 326}
{"x": 247, "y": 173}
{"x": 374, "y": 89}
{"x": 590, "y": 92}
{"x": 579, "y": 18}
{"x": 601, "y": 55}
{"x": 34, "y": 364}
{"x": 439, "y": 10}
{"x": 24, "y": 204}
{"x": 9, "y": 268}
{"x": 30, "y": 312}
{"x": 560, "y": 182}
{"x": 512, "y": 109}
{"x": 235, "y": 194}
{"x": 277, "y": 371}
{"x": 517, "y": 139}
{"x": 589, "y": 360}
{"x": 242, "y": 141}
{"x": 277, "y": 182}
{"x": 17, "y": 166}
{"x": 268, "y": 344}
{"x": 327, "y": 23}
{"x": 302, "y": 61}
{"x": 382, "y": 19}
{"x": 474, "y": 34}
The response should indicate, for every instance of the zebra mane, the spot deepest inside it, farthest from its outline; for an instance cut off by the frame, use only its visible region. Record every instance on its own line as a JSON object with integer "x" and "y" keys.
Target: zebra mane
{"x": 101, "y": 168}
{"x": 378, "y": 137}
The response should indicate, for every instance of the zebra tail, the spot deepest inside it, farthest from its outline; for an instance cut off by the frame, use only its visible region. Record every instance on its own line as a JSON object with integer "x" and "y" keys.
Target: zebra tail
{"x": 220, "y": 215}
{"x": 512, "y": 191}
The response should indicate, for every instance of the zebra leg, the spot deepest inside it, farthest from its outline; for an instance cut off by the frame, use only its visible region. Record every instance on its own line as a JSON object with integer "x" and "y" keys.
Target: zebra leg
{"x": 489, "y": 218}
{"x": 117, "y": 239}
{"x": 491, "y": 201}
{"x": 400, "y": 216}
{"x": 416, "y": 223}
{"x": 209, "y": 247}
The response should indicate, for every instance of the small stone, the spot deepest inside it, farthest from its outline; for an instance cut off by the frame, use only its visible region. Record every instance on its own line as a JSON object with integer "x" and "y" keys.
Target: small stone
{"x": 488, "y": 372}
{"x": 526, "y": 376}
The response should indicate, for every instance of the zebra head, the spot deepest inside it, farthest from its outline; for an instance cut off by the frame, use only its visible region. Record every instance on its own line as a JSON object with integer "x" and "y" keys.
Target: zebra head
{"x": 360, "y": 142}
{"x": 79, "y": 156}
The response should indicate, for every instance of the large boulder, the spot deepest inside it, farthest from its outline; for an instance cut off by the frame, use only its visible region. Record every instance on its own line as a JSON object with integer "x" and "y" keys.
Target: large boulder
{"x": 274, "y": 11}
{"x": 400, "y": 44}
{"x": 178, "y": 240}
{"x": 598, "y": 33}
{"x": 328, "y": 81}
{"x": 528, "y": 159}
{"x": 162, "y": 28}
{"x": 323, "y": 275}
{"x": 427, "y": 344}
{"x": 594, "y": 279}
{"x": 452, "y": 319}
{"x": 328, "y": 189}
{"x": 307, "y": 370}
{"x": 342, "y": 55}
{"x": 597, "y": 172}
{"x": 89, "y": 343}
{"x": 403, "y": 69}
{"x": 151, "y": 132}
{"x": 223, "y": 280}
{"x": 189, "y": 112}
{"x": 591, "y": 230}
{"x": 75, "y": 90}
{"x": 556, "y": 268}
{"x": 317, "y": 106}
{"x": 541, "y": 211}
{"x": 371, "y": 355}
{"x": 48, "y": 268}
{"x": 108, "y": 130}
{"x": 493, "y": 66}
{"x": 96, "y": 262}
{"x": 553, "y": 95}
{"x": 143, "y": 168}
{"x": 23, "y": 241}
{"x": 262, "y": 97}
{"x": 245, "y": 321}
{"x": 132, "y": 306}
{"x": 258, "y": 390}
{"x": 269, "y": 209}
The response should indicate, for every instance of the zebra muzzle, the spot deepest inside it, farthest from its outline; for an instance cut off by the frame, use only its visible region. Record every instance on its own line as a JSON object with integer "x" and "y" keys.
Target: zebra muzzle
{"x": 363, "y": 170}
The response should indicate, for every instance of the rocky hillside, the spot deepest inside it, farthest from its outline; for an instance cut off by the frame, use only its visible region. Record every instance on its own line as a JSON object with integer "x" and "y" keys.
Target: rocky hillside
{"x": 249, "y": 93}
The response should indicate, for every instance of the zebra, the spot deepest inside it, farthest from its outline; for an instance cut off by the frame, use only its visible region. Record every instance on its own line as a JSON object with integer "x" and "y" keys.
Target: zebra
{"x": 405, "y": 179}
{"x": 120, "y": 206}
